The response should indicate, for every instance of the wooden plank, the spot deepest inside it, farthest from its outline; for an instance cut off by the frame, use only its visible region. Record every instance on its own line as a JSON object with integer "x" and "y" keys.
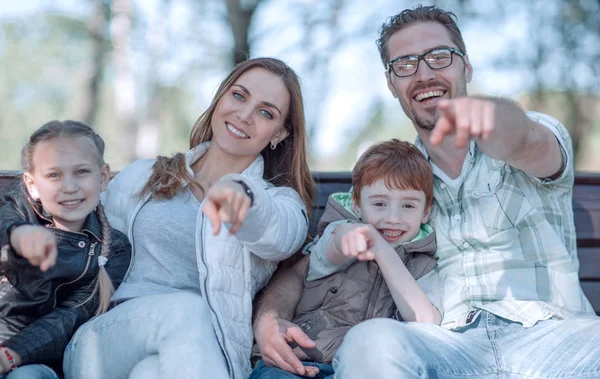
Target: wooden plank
{"x": 589, "y": 263}
{"x": 8, "y": 181}
{"x": 587, "y": 222}
{"x": 592, "y": 291}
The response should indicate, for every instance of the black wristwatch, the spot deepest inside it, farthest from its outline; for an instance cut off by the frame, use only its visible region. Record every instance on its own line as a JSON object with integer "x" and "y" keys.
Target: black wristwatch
{"x": 247, "y": 190}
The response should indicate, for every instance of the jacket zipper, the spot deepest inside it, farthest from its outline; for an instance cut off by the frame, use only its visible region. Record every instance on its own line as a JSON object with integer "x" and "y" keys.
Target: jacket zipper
{"x": 87, "y": 266}
{"x": 373, "y": 295}
{"x": 227, "y": 358}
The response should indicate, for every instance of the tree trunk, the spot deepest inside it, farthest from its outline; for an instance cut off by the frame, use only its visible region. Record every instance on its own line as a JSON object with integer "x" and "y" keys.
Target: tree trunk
{"x": 239, "y": 19}
{"x": 96, "y": 29}
{"x": 149, "y": 129}
{"x": 124, "y": 84}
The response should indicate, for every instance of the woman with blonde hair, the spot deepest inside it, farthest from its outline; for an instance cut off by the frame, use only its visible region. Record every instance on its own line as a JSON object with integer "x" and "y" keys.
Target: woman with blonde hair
{"x": 207, "y": 228}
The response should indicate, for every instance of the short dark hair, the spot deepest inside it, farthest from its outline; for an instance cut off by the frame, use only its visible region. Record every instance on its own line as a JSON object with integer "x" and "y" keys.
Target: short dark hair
{"x": 419, "y": 14}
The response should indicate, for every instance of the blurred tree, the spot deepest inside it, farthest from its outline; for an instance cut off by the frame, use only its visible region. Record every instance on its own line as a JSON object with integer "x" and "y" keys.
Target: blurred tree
{"x": 148, "y": 133}
{"x": 239, "y": 16}
{"x": 143, "y": 73}
{"x": 43, "y": 62}
{"x": 124, "y": 90}
{"x": 560, "y": 53}
{"x": 97, "y": 28}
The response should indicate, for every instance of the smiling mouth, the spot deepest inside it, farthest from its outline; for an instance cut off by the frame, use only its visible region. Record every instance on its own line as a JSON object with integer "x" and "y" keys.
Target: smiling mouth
{"x": 71, "y": 203}
{"x": 391, "y": 234}
{"x": 235, "y": 131}
{"x": 429, "y": 95}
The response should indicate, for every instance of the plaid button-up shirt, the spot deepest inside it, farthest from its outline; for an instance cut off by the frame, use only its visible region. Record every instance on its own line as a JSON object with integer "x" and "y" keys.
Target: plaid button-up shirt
{"x": 506, "y": 240}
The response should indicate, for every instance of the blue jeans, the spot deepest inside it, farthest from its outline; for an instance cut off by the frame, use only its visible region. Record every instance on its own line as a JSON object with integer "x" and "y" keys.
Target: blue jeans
{"x": 262, "y": 371}
{"x": 155, "y": 336}
{"x": 31, "y": 372}
{"x": 493, "y": 347}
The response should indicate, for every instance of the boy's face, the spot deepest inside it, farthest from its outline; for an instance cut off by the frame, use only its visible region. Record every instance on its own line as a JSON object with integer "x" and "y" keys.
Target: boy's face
{"x": 396, "y": 214}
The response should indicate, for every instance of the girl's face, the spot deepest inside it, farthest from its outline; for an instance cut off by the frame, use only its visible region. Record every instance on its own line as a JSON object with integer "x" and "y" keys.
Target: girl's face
{"x": 251, "y": 113}
{"x": 67, "y": 177}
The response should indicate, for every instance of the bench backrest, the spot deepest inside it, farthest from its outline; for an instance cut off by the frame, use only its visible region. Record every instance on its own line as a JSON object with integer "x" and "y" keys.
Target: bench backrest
{"x": 586, "y": 208}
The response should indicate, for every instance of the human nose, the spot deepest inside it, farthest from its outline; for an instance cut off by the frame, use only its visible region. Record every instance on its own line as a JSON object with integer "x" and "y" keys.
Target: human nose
{"x": 70, "y": 185}
{"x": 245, "y": 113}
{"x": 424, "y": 72}
{"x": 394, "y": 216}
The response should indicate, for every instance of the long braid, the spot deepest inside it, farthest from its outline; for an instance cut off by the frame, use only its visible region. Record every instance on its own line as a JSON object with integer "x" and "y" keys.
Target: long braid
{"x": 104, "y": 285}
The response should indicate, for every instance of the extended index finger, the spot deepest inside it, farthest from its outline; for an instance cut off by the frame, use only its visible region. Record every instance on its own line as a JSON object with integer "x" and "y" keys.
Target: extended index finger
{"x": 212, "y": 213}
{"x": 50, "y": 256}
{"x": 445, "y": 123}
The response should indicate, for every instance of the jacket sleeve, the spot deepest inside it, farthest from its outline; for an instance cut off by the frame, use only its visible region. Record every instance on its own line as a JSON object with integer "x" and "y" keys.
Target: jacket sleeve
{"x": 276, "y": 225}
{"x": 319, "y": 265}
{"x": 11, "y": 216}
{"x": 47, "y": 337}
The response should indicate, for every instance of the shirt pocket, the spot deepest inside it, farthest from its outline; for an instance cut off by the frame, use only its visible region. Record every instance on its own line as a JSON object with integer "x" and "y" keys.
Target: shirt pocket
{"x": 498, "y": 200}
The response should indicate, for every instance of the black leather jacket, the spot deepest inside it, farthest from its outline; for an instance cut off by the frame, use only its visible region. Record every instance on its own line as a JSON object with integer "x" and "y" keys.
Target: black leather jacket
{"x": 40, "y": 311}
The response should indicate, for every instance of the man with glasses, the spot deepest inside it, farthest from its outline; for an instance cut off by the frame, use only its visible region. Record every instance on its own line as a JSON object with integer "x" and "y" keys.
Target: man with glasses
{"x": 507, "y": 258}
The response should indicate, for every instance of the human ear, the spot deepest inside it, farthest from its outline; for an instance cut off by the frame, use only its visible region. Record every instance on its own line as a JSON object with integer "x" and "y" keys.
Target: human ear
{"x": 388, "y": 77}
{"x": 356, "y": 208}
{"x": 426, "y": 215}
{"x": 279, "y": 136}
{"x": 104, "y": 177}
{"x": 29, "y": 183}
{"x": 468, "y": 69}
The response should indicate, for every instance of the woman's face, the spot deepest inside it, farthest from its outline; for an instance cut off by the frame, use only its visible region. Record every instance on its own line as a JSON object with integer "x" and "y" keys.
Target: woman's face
{"x": 251, "y": 113}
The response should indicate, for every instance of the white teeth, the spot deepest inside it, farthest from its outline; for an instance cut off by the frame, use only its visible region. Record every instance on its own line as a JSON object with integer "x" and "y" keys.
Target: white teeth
{"x": 71, "y": 202}
{"x": 427, "y": 95}
{"x": 238, "y": 133}
{"x": 391, "y": 234}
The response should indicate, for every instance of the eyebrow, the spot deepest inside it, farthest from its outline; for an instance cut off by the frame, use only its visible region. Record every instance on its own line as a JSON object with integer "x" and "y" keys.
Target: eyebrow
{"x": 426, "y": 51}
{"x": 79, "y": 165}
{"x": 413, "y": 198}
{"x": 378, "y": 197}
{"x": 245, "y": 90}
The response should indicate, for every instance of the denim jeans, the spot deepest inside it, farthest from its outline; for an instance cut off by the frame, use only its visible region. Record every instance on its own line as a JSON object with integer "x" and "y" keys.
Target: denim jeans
{"x": 262, "y": 371}
{"x": 31, "y": 372}
{"x": 493, "y": 347}
{"x": 155, "y": 336}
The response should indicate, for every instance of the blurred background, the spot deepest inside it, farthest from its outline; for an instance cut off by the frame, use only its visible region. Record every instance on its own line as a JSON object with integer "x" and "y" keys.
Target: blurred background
{"x": 142, "y": 71}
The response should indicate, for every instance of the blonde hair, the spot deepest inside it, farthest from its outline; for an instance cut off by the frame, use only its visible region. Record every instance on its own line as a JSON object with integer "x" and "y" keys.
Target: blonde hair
{"x": 284, "y": 166}
{"x": 103, "y": 285}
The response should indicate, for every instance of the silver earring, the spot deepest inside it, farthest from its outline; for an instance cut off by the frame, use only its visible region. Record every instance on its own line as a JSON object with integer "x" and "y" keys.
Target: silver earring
{"x": 273, "y": 146}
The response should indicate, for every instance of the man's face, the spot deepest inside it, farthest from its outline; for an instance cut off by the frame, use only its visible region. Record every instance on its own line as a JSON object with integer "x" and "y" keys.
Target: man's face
{"x": 420, "y": 93}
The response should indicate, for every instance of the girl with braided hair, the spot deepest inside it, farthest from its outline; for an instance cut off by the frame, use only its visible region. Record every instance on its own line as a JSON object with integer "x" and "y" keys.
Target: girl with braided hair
{"x": 60, "y": 259}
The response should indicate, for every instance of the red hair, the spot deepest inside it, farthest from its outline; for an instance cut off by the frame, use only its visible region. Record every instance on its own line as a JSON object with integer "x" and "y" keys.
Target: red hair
{"x": 399, "y": 163}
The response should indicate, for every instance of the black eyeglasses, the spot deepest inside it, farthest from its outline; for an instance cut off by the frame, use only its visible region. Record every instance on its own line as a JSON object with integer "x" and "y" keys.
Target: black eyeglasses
{"x": 436, "y": 59}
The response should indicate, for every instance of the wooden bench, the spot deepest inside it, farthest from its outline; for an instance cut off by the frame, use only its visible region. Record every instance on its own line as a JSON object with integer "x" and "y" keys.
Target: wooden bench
{"x": 586, "y": 207}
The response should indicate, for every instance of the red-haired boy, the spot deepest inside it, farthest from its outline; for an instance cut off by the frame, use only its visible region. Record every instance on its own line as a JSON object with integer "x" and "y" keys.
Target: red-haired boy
{"x": 374, "y": 255}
